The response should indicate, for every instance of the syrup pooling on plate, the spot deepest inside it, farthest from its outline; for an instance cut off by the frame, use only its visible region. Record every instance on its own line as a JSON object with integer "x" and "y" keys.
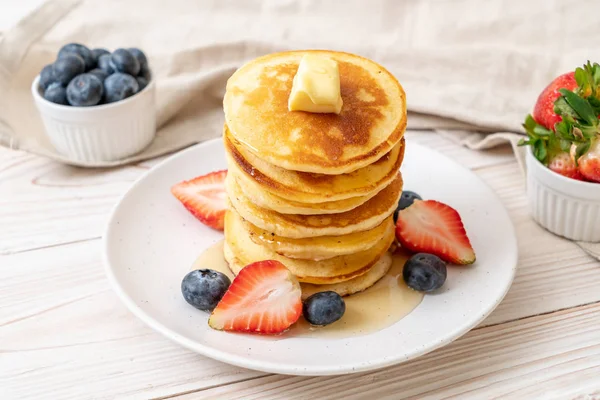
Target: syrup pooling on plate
{"x": 377, "y": 308}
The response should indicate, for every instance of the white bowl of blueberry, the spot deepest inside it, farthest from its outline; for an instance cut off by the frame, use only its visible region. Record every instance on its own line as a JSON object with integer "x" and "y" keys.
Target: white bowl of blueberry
{"x": 96, "y": 105}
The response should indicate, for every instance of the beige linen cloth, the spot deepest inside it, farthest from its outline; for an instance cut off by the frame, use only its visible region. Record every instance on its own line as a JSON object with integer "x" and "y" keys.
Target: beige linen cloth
{"x": 471, "y": 69}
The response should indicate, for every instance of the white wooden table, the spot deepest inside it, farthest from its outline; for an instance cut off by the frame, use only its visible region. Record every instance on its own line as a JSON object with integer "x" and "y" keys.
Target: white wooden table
{"x": 64, "y": 333}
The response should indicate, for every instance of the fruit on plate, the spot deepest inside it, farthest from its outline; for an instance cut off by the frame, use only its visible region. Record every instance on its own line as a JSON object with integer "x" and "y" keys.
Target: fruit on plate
{"x": 205, "y": 197}
{"x": 77, "y": 62}
{"x": 265, "y": 297}
{"x": 406, "y": 199}
{"x": 565, "y": 124}
{"x": 204, "y": 288}
{"x": 323, "y": 308}
{"x": 424, "y": 272}
{"x": 429, "y": 226}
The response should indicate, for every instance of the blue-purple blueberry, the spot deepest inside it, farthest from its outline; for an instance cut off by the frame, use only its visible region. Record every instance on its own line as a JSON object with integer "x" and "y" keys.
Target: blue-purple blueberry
{"x": 204, "y": 288}
{"x": 85, "y": 90}
{"x": 140, "y": 56}
{"x": 105, "y": 64}
{"x": 119, "y": 86}
{"x": 142, "y": 82}
{"x": 67, "y": 67}
{"x": 99, "y": 73}
{"x": 56, "y": 93}
{"x": 96, "y": 53}
{"x": 46, "y": 77}
{"x": 424, "y": 272}
{"x": 323, "y": 308}
{"x": 82, "y": 51}
{"x": 124, "y": 61}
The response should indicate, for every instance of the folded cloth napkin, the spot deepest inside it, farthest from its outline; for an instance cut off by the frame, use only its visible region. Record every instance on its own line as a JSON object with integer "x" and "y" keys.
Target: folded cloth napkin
{"x": 471, "y": 69}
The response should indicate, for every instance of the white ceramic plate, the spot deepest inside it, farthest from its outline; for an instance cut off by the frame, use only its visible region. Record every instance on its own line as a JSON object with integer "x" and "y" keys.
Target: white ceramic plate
{"x": 151, "y": 242}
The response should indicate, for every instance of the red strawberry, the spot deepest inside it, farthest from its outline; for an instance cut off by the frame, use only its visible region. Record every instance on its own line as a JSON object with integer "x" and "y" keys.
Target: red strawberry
{"x": 204, "y": 196}
{"x": 264, "y": 298}
{"x": 589, "y": 163}
{"x": 543, "y": 112}
{"x": 436, "y": 228}
{"x": 563, "y": 164}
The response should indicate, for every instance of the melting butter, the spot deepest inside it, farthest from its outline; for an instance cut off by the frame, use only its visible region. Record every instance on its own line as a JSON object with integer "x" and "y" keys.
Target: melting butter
{"x": 316, "y": 86}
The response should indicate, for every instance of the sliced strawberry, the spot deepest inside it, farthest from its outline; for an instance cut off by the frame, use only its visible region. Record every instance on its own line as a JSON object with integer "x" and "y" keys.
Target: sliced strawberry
{"x": 563, "y": 164}
{"x": 436, "y": 228}
{"x": 204, "y": 196}
{"x": 543, "y": 112}
{"x": 264, "y": 298}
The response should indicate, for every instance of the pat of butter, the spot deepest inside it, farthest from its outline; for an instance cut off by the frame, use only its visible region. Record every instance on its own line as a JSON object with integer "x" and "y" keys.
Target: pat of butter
{"x": 316, "y": 86}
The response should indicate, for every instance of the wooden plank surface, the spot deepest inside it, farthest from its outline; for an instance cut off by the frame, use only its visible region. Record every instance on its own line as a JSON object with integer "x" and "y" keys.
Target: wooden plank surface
{"x": 63, "y": 328}
{"x": 548, "y": 356}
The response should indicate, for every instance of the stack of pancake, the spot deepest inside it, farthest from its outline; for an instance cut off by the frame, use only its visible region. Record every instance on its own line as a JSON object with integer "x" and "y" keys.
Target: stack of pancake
{"x": 314, "y": 191}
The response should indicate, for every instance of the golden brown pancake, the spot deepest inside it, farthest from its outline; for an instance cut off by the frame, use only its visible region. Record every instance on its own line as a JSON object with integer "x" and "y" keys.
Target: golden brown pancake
{"x": 319, "y": 247}
{"x": 362, "y": 218}
{"x": 309, "y": 187}
{"x": 372, "y": 120}
{"x": 262, "y": 198}
{"x": 354, "y": 285}
{"x": 240, "y": 251}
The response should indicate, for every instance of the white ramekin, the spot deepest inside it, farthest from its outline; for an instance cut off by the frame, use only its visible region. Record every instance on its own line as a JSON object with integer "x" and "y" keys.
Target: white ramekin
{"x": 564, "y": 206}
{"x": 100, "y": 133}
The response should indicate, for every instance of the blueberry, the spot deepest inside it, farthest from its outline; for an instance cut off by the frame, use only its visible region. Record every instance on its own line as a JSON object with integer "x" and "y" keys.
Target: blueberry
{"x": 323, "y": 308}
{"x": 99, "y": 73}
{"x": 141, "y": 57}
{"x": 406, "y": 199}
{"x": 85, "y": 90}
{"x": 46, "y": 77}
{"x": 125, "y": 62}
{"x": 424, "y": 272}
{"x": 145, "y": 73}
{"x": 67, "y": 67}
{"x": 204, "y": 288}
{"x": 104, "y": 63}
{"x": 56, "y": 93}
{"x": 96, "y": 53}
{"x": 142, "y": 82}
{"x": 82, "y": 51}
{"x": 119, "y": 86}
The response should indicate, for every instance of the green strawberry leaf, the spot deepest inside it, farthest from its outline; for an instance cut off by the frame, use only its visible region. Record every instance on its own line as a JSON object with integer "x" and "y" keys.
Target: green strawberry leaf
{"x": 582, "y": 148}
{"x": 529, "y": 123}
{"x": 540, "y": 152}
{"x": 562, "y": 108}
{"x": 581, "y": 107}
{"x": 565, "y": 145}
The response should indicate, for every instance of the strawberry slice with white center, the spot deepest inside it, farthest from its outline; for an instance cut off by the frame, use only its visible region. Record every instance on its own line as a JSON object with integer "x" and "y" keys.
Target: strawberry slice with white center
{"x": 205, "y": 197}
{"x": 436, "y": 228}
{"x": 264, "y": 298}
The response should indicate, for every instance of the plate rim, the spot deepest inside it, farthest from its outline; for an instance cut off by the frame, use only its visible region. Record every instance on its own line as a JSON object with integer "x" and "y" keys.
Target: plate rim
{"x": 267, "y": 366}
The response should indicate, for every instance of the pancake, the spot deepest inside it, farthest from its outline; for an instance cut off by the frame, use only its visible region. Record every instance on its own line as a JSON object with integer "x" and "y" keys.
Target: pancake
{"x": 262, "y": 198}
{"x": 240, "y": 251}
{"x": 320, "y": 247}
{"x": 372, "y": 120}
{"x": 354, "y": 285}
{"x": 362, "y": 218}
{"x": 308, "y": 187}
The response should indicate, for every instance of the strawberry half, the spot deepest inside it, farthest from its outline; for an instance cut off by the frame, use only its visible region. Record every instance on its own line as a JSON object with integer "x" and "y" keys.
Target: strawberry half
{"x": 543, "y": 112}
{"x": 562, "y": 163}
{"x": 436, "y": 228}
{"x": 264, "y": 298}
{"x": 205, "y": 197}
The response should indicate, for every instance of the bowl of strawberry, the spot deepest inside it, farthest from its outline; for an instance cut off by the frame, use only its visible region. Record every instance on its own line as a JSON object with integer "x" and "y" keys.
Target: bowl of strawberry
{"x": 96, "y": 105}
{"x": 563, "y": 155}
